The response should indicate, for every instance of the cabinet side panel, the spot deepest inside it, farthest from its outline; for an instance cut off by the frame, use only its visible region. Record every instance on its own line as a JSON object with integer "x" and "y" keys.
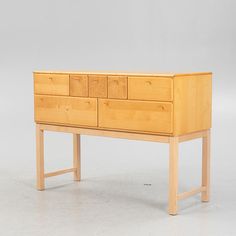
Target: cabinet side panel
{"x": 192, "y": 103}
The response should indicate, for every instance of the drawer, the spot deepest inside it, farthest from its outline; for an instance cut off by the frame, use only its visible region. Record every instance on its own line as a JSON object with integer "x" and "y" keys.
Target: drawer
{"x": 150, "y": 88}
{"x": 66, "y": 110}
{"x": 135, "y": 115}
{"x": 79, "y": 85}
{"x": 54, "y": 84}
{"x": 117, "y": 87}
{"x": 98, "y": 86}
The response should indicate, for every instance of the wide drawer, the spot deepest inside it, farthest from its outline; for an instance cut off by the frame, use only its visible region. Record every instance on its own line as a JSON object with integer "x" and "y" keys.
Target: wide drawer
{"x": 66, "y": 110}
{"x": 135, "y": 115}
{"x": 150, "y": 88}
{"x": 53, "y": 84}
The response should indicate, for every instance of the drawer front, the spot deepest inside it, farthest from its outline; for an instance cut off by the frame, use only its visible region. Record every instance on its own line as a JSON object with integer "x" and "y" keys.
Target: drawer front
{"x": 150, "y": 88}
{"x": 117, "y": 87}
{"x": 53, "y": 84}
{"x": 79, "y": 85}
{"x": 135, "y": 115}
{"x": 98, "y": 86}
{"x": 66, "y": 110}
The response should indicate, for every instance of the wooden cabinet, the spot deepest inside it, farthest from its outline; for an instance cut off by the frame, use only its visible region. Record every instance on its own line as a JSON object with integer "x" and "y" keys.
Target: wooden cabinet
{"x": 167, "y": 108}
{"x": 169, "y": 104}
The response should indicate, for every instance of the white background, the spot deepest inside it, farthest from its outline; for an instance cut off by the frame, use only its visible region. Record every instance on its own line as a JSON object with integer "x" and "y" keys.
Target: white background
{"x": 113, "y": 198}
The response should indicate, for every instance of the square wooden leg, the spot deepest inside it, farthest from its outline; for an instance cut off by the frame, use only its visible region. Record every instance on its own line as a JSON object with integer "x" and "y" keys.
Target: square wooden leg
{"x": 40, "y": 157}
{"x": 173, "y": 175}
{"x": 76, "y": 157}
{"x": 206, "y": 166}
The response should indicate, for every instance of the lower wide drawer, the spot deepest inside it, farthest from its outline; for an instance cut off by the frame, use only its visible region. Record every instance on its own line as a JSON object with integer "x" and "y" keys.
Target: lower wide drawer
{"x": 66, "y": 110}
{"x": 135, "y": 115}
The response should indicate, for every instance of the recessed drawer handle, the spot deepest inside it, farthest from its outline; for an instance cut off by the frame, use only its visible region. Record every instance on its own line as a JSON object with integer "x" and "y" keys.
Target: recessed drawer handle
{"x": 106, "y": 103}
{"x": 50, "y": 78}
{"x": 116, "y": 81}
{"x": 88, "y": 102}
{"x": 162, "y": 108}
{"x": 149, "y": 82}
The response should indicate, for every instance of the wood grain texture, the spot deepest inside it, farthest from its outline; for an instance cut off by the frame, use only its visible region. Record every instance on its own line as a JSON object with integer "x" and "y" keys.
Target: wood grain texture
{"x": 79, "y": 85}
{"x": 66, "y": 110}
{"x": 135, "y": 115}
{"x": 54, "y": 84}
{"x": 150, "y": 88}
{"x": 117, "y": 87}
{"x": 190, "y": 93}
{"x": 192, "y": 103}
{"x": 97, "y": 86}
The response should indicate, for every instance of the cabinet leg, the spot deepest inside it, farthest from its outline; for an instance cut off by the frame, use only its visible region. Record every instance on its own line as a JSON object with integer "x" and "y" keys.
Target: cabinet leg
{"x": 76, "y": 157}
{"x": 206, "y": 166}
{"x": 173, "y": 175}
{"x": 40, "y": 157}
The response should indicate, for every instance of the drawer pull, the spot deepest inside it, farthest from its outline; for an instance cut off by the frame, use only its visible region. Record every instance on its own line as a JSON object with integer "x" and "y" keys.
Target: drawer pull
{"x": 88, "y": 102}
{"x": 116, "y": 81}
{"x": 149, "y": 82}
{"x": 50, "y": 78}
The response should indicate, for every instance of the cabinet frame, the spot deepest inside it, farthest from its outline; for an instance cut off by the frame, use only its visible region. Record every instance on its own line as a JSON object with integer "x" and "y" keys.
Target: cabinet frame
{"x": 189, "y": 95}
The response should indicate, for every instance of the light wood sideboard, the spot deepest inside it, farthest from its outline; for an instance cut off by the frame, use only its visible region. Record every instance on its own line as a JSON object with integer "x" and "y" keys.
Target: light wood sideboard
{"x": 169, "y": 108}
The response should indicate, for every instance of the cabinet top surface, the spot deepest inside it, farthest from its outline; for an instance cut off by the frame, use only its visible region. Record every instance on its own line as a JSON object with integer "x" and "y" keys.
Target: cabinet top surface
{"x": 117, "y": 73}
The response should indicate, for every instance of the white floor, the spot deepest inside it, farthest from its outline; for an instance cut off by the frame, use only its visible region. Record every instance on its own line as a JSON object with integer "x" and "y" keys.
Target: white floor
{"x": 123, "y": 189}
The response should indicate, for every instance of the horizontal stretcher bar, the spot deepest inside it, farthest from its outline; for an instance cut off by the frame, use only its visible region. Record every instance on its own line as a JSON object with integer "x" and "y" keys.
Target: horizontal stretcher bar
{"x": 59, "y": 172}
{"x": 191, "y": 193}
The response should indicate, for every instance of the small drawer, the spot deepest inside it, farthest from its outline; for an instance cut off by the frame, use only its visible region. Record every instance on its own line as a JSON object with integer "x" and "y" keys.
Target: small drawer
{"x": 117, "y": 87}
{"x": 79, "y": 85}
{"x": 154, "y": 117}
{"x": 98, "y": 86}
{"x": 65, "y": 110}
{"x": 53, "y": 84}
{"x": 150, "y": 88}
